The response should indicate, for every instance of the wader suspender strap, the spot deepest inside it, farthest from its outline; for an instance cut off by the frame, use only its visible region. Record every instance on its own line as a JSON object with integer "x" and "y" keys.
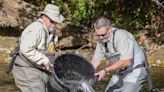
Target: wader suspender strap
{"x": 45, "y": 41}
{"x": 106, "y": 46}
{"x": 114, "y": 48}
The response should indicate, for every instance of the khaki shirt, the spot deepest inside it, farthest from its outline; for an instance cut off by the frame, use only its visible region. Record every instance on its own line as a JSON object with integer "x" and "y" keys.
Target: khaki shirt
{"x": 33, "y": 40}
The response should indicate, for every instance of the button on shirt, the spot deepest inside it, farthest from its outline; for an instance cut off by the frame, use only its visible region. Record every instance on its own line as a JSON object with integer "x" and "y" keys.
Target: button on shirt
{"x": 127, "y": 46}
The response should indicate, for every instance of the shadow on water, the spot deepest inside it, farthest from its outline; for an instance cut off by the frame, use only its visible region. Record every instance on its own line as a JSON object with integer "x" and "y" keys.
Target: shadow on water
{"x": 10, "y": 31}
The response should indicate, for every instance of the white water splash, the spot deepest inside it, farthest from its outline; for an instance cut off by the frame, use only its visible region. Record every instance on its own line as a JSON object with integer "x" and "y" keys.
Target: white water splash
{"x": 87, "y": 87}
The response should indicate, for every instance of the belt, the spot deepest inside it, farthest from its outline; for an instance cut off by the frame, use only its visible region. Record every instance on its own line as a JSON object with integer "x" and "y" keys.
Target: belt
{"x": 23, "y": 65}
{"x": 128, "y": 70}
{"x": 31, "y": 64}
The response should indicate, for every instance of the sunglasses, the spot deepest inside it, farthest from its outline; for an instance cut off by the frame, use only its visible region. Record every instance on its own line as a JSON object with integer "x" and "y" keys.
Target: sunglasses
{"x": 102, "y": 35}
{"x": 51, "y": 21}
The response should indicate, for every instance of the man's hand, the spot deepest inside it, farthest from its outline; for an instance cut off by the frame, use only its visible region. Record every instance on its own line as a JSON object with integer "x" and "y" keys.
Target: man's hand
{"x": 101, "y": 74}
{"x": 47, "y": 66}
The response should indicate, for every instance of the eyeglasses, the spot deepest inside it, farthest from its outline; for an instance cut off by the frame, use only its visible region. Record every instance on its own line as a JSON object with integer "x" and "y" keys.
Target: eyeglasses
{"x": 102, "y": 35}
{"x": 51, "y": 21}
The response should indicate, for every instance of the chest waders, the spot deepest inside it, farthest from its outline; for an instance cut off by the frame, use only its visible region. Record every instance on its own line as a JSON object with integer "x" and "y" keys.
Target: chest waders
{"x": 123, "y": 72}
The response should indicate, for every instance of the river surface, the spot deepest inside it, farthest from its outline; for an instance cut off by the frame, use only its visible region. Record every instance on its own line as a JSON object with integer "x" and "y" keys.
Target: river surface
{"x": 157, "y": 76}
{"x": 7, "y": 82}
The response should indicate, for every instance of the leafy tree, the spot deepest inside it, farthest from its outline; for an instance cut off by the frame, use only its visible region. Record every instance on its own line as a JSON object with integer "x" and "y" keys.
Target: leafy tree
{"x": 135, "y": 16}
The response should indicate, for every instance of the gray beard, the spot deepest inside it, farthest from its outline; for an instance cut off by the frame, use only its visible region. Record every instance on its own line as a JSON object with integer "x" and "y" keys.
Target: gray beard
{"x": 51, "y": 30}
{"x": 103, "y": 40}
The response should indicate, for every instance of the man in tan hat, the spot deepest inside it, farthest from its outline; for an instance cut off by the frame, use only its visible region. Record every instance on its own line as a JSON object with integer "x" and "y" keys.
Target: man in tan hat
{"x": 36, "y": 48}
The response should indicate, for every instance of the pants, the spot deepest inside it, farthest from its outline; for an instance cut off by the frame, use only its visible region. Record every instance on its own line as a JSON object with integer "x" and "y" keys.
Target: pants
{"x": 128, "y": 86}
{"x": 29, "y": 79}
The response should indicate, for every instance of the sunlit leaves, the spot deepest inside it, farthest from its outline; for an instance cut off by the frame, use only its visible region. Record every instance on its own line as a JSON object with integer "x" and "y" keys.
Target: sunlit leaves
{"x": 128, "y": 14}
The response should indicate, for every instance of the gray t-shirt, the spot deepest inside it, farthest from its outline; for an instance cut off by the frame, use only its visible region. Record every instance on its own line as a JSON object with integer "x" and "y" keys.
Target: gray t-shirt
{"x": 126, "y": 47}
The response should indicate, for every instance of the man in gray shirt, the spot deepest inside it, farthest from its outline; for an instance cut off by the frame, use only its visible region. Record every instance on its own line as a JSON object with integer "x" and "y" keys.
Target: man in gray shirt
{"x": 36, "y": 48}
{"x": 125, "y": 56}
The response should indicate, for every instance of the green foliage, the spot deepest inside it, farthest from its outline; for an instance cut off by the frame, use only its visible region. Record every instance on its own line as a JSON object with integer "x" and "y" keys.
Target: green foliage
{"x": 133, "y": 15}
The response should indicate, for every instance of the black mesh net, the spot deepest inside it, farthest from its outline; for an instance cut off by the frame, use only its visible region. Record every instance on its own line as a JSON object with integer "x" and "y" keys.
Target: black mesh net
{"x": 72, "y": 67}
{"x": 73, "y": 70}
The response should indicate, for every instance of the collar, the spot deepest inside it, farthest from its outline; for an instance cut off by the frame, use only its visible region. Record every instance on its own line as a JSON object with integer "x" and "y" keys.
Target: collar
{"x": 43, "y": 24}
{"x": 110, "y": 35}
{"x": 50, "y": 36}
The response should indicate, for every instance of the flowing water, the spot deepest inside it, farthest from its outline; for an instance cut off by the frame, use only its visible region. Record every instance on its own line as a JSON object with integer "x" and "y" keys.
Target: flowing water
{"x": 157, "y": 76}
{"x": 7, "y": 82}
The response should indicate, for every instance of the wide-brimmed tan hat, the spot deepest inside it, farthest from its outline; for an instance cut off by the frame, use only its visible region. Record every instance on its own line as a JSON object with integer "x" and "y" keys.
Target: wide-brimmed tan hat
{"x": 53, "y": 12}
